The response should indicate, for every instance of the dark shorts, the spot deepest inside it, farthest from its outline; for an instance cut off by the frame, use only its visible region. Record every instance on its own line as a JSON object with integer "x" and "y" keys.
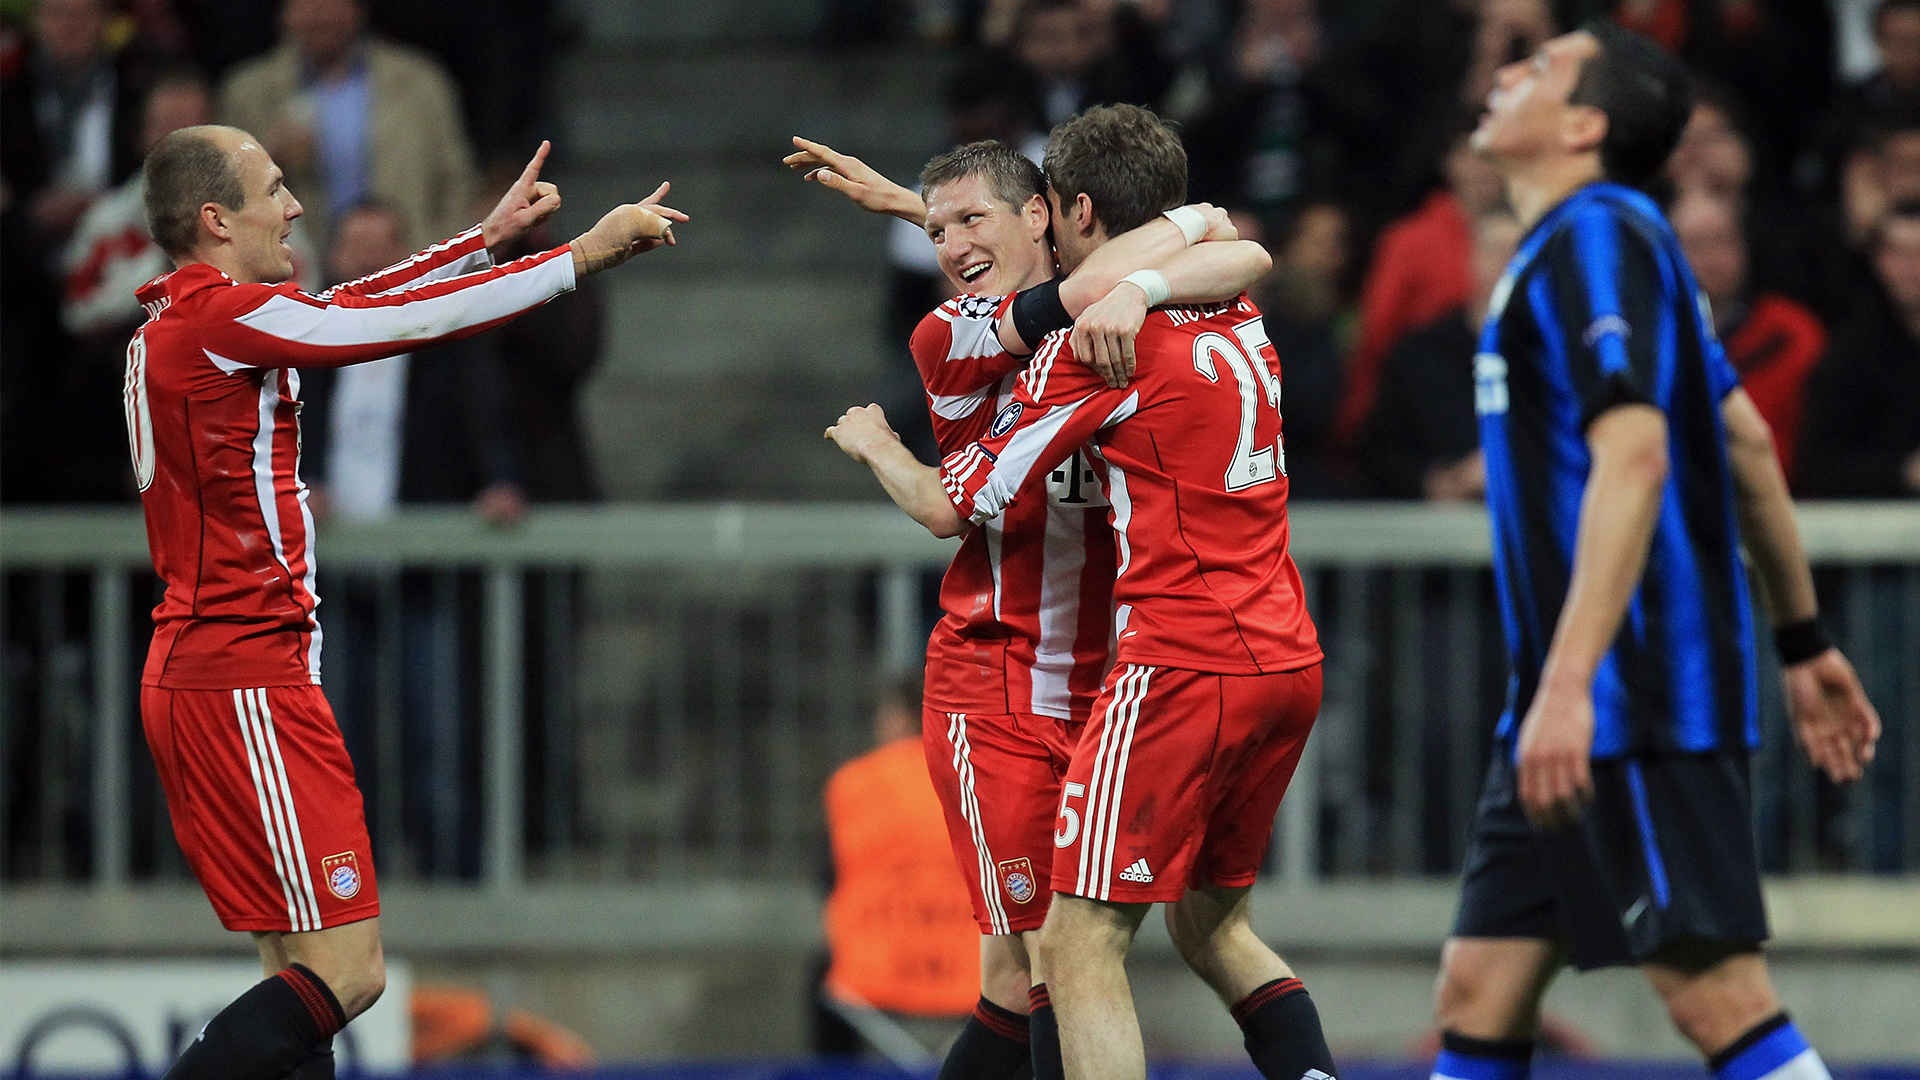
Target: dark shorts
{"x": 1664, "y": 854}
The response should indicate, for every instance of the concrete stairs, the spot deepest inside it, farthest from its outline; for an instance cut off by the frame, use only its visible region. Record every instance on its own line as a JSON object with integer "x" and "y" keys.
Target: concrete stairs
{"x": 726, "y": 356}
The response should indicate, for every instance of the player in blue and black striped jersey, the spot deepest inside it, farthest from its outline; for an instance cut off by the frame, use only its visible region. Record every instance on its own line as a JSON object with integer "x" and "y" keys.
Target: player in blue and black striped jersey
{"x": 1625, "y": 469}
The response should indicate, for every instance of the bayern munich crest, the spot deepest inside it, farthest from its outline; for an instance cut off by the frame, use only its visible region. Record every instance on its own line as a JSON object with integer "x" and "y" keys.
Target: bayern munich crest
{"x": 1017, "y": 874}
{"x": 342, "y": 872}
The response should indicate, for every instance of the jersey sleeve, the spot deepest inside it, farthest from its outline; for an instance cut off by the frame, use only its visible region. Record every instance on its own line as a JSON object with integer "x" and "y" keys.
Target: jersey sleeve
{"x": 284, "y": 327}
{"x": 464, "y": 254}
{"x": 961, "y": 361}
{"x": 1609, "y": 312}
{"x": 1058, "y": 404}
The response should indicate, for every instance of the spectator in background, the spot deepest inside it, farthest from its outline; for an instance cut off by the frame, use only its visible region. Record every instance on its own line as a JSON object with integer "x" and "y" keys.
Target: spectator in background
{"x": 109, "y": 256}
{"x": 432, "y": 427}
{"x": 1244, "y": 112}
{"x": 1423, "y": 267}
{"x": 1068, "y": 47}
{"x": 70, "y": 113}
{"x": 1890, "y": 91}
{"x": 69, "y": 131}
{"x": 1747, "y": 45}
{"x": 1861, "y": 435}
{"x": 1422, "y": 438}
{"x": 351, "y": 117}
{"x": 1796, "y": 252}
{"x": 1310, "y": 325}
{"x": 1392, "y": 96}
{"x": 546, "y": 357}
{"x": 901, "y": 936}
{"x": 1882, "y": 172}
{"x": 1773, "y": 342}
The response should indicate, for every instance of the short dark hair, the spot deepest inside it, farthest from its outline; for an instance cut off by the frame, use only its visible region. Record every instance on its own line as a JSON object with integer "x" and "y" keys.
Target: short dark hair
{"x": 186, "y": 170}
{"x": 1011, "y": 176}
{"x": 1646, "y": 94}
{"x": 1126, "y": 160}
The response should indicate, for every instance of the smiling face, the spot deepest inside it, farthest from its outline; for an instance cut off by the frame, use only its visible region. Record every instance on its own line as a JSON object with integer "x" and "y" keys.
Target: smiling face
{"x": 257, "y": 231}
{"x": 985, "y": 245}
{"x": 1529, "y": 113}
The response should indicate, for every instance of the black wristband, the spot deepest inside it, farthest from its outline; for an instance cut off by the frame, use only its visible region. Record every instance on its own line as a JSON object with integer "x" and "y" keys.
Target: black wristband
{"x": 1038, "y": 312}
{"x": 1799, "y": 642}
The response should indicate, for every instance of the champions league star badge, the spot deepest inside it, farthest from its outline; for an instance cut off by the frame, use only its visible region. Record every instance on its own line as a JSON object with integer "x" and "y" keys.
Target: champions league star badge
{"x": 1018, "y": 876}
{"x": 342, "y": 872}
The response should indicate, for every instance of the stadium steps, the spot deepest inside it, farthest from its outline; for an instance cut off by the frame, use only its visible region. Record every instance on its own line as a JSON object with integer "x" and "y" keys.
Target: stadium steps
{"x": 726, "y": 357}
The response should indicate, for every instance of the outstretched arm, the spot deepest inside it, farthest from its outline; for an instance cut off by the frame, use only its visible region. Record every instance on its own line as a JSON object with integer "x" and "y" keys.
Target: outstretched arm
{"x": 863, "y": 433}
{"x": 855, "y": 179}
{"x": 1831, "y": 714}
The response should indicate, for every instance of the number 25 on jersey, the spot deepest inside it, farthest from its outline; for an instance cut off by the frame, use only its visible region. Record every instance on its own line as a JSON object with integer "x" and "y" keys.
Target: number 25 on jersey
{"x": 1245, "y": 355}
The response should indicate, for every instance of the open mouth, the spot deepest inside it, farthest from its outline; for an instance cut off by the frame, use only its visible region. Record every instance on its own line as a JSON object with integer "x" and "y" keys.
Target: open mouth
{"x": 977, "y": 271}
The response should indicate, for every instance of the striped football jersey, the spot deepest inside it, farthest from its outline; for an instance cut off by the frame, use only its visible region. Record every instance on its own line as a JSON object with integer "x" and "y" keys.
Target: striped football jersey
{"x": 1026, "y": 622}
{"x": 1192, "y": 462}
{"x": 213, "y": 421}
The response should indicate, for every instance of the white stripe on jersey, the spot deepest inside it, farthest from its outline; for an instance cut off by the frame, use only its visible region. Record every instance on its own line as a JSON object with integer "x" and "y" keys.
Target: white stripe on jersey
{"x": 271, "y": 812}
{"x": 1063, "y": 559}
{"x": 996, "y": 536}
{"x": 1122, "y": 500}
{"x": 1041, "y": 366}
{"x": 959, "y": 406}
{"x": 264, "y": 490}
{"x": 970, "y": 812}
{"x": 472, "y": 262}
{"x": 313, "y": 565}
{"x": 335, "y": 325}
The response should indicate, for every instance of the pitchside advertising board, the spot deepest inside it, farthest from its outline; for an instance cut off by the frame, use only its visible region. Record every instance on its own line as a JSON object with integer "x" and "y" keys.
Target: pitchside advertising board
{"x": 85, "y": 1018}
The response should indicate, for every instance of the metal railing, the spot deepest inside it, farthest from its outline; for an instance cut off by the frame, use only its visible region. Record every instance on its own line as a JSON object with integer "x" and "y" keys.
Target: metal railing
{"x": 659, "y": 692}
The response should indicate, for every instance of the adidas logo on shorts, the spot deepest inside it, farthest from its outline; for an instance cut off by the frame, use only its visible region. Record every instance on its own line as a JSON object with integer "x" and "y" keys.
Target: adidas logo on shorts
{"x": 1137, "y": 873}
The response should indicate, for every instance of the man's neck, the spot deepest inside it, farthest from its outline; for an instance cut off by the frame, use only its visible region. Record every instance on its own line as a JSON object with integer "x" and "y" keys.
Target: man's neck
{"x": 1536, "y": 187}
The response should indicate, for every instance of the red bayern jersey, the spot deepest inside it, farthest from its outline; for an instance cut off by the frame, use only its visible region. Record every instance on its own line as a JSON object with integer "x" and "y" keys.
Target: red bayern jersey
{"x": 1195, "y": 469}
{"x": 212, "y": 400}
{"x": 1027, "y": 623}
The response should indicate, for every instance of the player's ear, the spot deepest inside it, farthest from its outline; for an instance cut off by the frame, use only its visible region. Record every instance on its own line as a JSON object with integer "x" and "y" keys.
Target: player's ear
{"x": 213, "y": 218}
{"x": 1583, "y": 128}
{"x": 1037, "y": 215}
{"x": 1083, "y": 217}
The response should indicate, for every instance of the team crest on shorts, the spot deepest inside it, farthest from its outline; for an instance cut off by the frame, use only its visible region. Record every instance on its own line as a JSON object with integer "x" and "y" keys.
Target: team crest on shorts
{"x": 342, "y": 872}
{"x": 1018, "y": 876}
{"x": 1008, "y": 417}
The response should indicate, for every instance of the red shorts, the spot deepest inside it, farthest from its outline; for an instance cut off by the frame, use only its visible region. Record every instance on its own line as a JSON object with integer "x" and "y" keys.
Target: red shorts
{"x": 264, "y": 805}
{"x": 1176, "y": 781}
{"x": 998, "y": 778}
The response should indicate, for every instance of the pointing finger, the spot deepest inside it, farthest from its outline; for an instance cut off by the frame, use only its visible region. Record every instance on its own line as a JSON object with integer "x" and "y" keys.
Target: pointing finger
{"x": 821, "y": 150}
{"x": 532, "y": 172}
{"x": 667, "y": 212}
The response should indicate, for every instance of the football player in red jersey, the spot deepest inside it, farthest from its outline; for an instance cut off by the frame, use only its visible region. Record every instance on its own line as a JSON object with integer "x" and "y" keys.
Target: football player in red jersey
{"x": 1172, "y": 789}
{"x": 1019, "y": 654}
{"x": 257, "y": 780}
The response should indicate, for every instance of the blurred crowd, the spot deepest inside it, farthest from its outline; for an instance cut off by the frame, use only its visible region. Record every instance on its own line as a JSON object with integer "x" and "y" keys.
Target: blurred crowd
{"x": 1337, "y": 133}
{"x": 397, "y": 124}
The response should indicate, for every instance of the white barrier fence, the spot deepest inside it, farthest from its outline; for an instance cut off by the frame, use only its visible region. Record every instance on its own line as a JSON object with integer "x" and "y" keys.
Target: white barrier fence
{"x": 656, "y": 693}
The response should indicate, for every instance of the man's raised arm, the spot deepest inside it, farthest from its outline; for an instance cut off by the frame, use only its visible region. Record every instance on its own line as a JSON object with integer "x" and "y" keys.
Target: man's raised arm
{"x": 283, "y": 327}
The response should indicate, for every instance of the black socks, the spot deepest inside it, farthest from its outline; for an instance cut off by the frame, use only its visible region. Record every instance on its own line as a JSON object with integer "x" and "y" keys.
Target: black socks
{"x": 1045, "y": 1035}
{"x": 1283, "y": 1032}
{"x": 318, "y": 1066}
{"x": 993, "y": 1046}
{"x": 267, "y": 1032}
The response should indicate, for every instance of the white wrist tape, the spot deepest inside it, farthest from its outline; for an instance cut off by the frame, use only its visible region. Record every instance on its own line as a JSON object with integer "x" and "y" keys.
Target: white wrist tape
{"x": 1193, "y": 223}
{"x": 1153, "y": 283}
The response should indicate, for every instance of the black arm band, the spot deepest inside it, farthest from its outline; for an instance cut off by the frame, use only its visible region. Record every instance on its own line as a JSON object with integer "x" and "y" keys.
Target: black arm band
{"x": 1038, "y": 312}
{"x": 1799, "y": 642}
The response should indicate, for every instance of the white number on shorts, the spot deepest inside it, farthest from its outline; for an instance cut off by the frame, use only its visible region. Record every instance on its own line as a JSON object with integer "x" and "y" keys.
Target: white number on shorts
{"x": 1068, "y": 833}
{"x": 1251, "y": 465}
